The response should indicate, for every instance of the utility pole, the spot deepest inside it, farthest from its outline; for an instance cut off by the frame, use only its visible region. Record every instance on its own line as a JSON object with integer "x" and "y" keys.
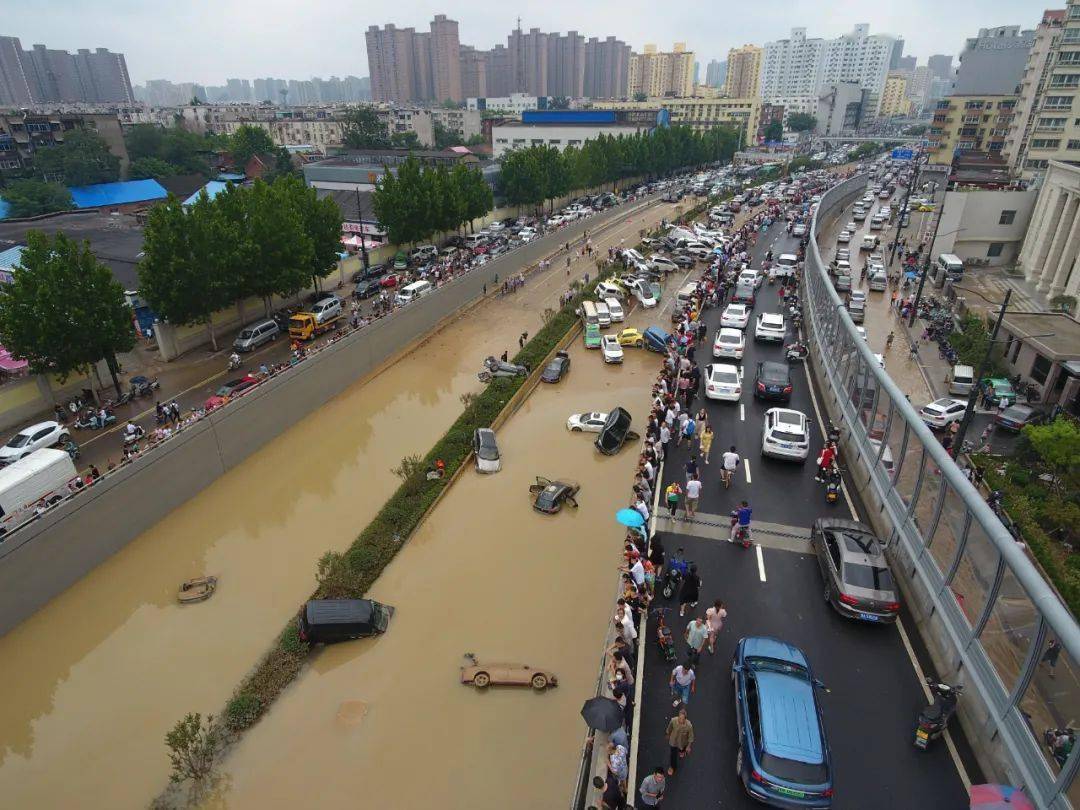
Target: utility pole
{"x": 958, "y": 443}
{"x": 363, "y": 245}
{"x": 926, "y": 267}
{"x": 904, "y": 210}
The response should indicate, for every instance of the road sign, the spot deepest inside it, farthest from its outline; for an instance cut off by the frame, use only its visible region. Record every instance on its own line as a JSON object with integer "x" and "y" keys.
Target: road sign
{"x": 902, "y": 154}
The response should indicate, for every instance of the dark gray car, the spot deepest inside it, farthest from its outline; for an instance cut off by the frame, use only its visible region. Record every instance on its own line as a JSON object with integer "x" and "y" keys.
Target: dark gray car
{"x": 858, "y": 582}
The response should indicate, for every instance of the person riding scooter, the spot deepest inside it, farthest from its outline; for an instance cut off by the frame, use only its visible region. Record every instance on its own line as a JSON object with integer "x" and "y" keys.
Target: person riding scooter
{"x": 740, "y": 524}
{"x": 234, "y": 361}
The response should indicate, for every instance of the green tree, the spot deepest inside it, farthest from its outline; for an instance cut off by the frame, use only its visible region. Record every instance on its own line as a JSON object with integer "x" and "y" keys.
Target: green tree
{"x": 918, "y": 129}
{"x": 774, "y": 131}
{"x": 362, "y": 129}
{"x": 247, "y": 142}
{"x": 279, "y": 250}
{"x": 283, "y": 165}
{"x": 150, "y": 167}
{"x": 801, "y": 122}
{"x": 559, "y": 103}
{"x": 450, "y": 104}
{"x": 479, "y": 198}
{"x": 1063, "y": 303}
{"x": 81, "y": 160}
{"x": 320, "y": 220}
{"x": 405, "y": 140}
{"x": 445, "y": 137}
{"x": 144, "y": 141}
{"x": 193, "y": 747}
{"x": 63, "y": 310}
{"x": 29, "y": 198}
{"x": 641, "y": 96}
{"x": 1058, "y": 445}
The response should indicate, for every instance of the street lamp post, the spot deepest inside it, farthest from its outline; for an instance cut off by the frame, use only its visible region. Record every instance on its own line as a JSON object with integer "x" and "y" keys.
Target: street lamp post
{"x": 363, "y": 245}
{"x": 926, "y": 267}
{"x": 958, "y": 442}
{"x": 904, "y": 208}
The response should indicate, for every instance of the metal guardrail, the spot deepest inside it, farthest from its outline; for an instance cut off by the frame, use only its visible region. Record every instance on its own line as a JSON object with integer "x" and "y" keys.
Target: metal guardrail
{"x": 982, "y": 606}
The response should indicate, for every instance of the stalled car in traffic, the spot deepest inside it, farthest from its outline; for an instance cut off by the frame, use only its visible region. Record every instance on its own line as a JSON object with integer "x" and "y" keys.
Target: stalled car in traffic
{"x": 486, "y": 450}
{"x": 773, "y": 381}
{"x": 858, "y": 581}
{"x": 558, "y": 368}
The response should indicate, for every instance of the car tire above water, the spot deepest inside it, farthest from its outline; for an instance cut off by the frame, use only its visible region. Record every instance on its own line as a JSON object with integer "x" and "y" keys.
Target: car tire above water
{"x": 539, "y": 681}
{"x": 481, "y": 680}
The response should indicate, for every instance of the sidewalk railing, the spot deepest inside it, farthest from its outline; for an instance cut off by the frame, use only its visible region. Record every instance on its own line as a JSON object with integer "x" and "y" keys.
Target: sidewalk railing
{"x": 984, "y": 611}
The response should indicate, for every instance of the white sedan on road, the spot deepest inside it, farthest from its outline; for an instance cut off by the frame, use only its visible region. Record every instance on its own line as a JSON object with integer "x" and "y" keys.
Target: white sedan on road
{"x": 610, "y": 349}
{"x": 729, "y": 343}
{"x": 735, "y": 316}
{"x": 35, "y": 437}
{"x": 591, "y": 422}
{"x": 722, "y": 381}
{"x": 785, "y": 434}
{"x": 770, "y": 326}
{"x": 845, "y": 236}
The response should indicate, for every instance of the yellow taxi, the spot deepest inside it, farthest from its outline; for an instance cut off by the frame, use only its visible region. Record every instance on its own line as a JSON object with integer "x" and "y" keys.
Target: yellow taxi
{"x": 631, "y": 337}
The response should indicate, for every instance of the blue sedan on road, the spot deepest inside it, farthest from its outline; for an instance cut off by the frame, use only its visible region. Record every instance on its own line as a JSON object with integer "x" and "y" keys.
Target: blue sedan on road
{"x": 783, "y": 758}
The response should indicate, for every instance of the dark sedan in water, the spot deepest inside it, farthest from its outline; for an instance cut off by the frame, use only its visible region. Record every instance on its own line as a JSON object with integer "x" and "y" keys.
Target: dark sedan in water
{"x": 556, "y": 369}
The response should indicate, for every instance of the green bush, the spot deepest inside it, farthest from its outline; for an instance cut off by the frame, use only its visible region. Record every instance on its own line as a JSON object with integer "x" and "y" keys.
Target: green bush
{"x": 242, "y": 711}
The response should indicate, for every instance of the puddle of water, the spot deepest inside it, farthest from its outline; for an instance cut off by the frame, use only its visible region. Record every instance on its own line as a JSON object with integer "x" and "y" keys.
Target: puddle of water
{"x": 486, "y": 574}
{"x": 95, "y": 679}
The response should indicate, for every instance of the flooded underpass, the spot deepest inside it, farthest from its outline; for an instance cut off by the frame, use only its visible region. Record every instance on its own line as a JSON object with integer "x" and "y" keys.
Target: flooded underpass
{"x": 388, "y": 719}
{"x": 95, "y": 679}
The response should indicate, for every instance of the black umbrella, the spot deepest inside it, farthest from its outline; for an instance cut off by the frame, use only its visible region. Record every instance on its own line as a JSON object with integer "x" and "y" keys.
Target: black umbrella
{"x": 602, "y": 713}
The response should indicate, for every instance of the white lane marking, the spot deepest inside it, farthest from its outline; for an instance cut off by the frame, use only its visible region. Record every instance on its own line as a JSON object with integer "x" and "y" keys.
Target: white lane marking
{"x": 742, "y": 412}
{"x": 761, "y": 564}
{"x": 746, "y": 469}
{"x": 903, "y": 634}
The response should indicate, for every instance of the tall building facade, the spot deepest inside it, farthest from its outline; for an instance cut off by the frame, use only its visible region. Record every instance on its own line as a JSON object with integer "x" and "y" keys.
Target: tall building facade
{"x": 43, "y": 75}
{"x": 390, "y": 63}
{"x": 474, "y": 70}
{"x": 716, "y": 73}
{"x": 993, "y": 62}
{"x": 894, "y": 98}
{"x": 662, "y": 74}
{"x": 918, "y": 89}
{"x": 1033, "y": 112}
{"x": 607, "y": 68}
{"x": 744, "y": 72}
{"x": 940, "y": 65}
{"x": 445, "y": 59}
{"x": 791, "y": 67}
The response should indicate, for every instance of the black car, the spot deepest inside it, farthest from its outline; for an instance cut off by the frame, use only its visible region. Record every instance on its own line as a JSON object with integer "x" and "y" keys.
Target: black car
{"x": 375, "y": 271}
{"x": 549, "y": 496}
{"x": 683, "y": 259}
{"x": 557, "y": 368}
{"x": 324, "y": 621}
{"x": 773, "y": 381}
{"x": 615, "y": 432}
{"x": 367, "y": 289}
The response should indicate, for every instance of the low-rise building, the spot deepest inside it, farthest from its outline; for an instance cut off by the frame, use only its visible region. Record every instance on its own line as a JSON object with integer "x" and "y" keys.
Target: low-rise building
{"x": 973, "y": 124}
{"x": 360, "y": 169}
{"x": 701, "y": 113}
{"x": 463, "y": 123}
{"x": 514, "y": 104}
{"x": 23, "y": 132}
{"x": 1052, "y": 245}
{"x": 563, "y": 128}
{"x": 1045, "y": 347}
{"x": 842, "y": 107}
{"x": 984, "y": 225}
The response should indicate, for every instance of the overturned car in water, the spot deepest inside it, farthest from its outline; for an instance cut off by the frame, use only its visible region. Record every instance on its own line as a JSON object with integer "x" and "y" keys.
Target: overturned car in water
{"x": 549, "y": 496}
{"x": 494, "y": 367}
{"x": 615, "y": 432}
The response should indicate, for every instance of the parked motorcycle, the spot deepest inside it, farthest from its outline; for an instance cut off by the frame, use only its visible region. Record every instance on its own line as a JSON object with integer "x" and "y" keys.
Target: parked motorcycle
{"x": 93, "y": 420}
{"x": 143, "y": 386}
{"x": 676, "y": 570}
{"x": 1060, "y": 742}
{"x": 664, "y": 639}
{"x": 132, "y": 437}
{"x": 796, "y": 351}
{"x": 934, "y": 719}
{"x": 72, "y": 450}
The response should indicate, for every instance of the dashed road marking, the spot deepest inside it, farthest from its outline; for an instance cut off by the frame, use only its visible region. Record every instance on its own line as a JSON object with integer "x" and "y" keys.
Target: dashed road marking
{"x": 746, "y": 469}
{"x": 742, "y": 412}
{"x": 760, "y": 563}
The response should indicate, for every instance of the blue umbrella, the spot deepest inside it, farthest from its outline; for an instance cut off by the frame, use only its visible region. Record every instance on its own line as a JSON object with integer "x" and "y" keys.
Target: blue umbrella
{"x": 630, "y": 517}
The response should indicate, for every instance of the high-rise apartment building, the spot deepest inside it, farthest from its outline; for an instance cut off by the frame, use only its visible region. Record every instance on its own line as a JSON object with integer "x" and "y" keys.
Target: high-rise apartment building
{"x": 799, "y": 66}
{"x": 716, "y": 73}
{"x": 918, "y": 88}
{"x": 42, "y": 75}
{"x": 897, "y": 54}
{"x": 973, "y": 125}
{"x": 993, "y": 62}
{"x": 607, "y": 68}
{"x": 906, "y": 63}
{"x": 390, "y": 63}
{"x": 445, "y": 59}
{"x": 474, "y": 70}
{"x": 662, "y": 74}
{"x": 894, "y": 97}
{"x": 940, "y": 65}
{"x": 744, "y": 72}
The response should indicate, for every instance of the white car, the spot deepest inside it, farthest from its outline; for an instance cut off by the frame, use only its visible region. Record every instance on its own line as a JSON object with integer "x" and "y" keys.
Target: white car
{"x": 844, "y": 254}
{"x": 644, "y": 295}
{"x": 555, "y": 221}
{"x": 722, "y": 381}
{"x": 27, "y": 440}
{"x": 662, "y": 263}
{"x": 729, "y": 343}
{"x": 851, "y": 227}
{"x": 799, "y": 229}
{"x": 858, "y": 297}
{"x": 496, "y": 226}
{"x": 845, "y": 237}
{"x": 609, "y": 288}
{"x": 943, "y": 412}
{"x": 785, "y": 434}
{"x": 526, "y": 234}
{"x": 486, "y": 449}
{"x": 862, "y": 332}
{"x": 610, "y": 349}
{"x": 735, "y": 316}
{"x": 592, "y": 422}
{"x": 770, "y": 326}
{"x": 750, "y": 276}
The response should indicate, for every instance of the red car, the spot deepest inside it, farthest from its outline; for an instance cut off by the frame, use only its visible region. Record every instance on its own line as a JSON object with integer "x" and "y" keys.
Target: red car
{"x": 229, "y": 390}
{"x": 391, "y": 280}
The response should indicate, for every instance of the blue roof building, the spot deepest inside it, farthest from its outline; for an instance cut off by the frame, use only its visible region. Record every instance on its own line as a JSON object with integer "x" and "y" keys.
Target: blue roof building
{"x": 102, "y": 195}
{"x": 212, "y": 189}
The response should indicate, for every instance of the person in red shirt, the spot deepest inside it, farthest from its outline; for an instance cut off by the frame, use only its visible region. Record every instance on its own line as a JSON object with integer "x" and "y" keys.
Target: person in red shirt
{"x": 825, "y": 460}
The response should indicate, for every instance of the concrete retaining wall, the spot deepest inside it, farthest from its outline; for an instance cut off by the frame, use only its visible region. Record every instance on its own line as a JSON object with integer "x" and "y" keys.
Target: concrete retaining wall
{"x": 43, "y": 559}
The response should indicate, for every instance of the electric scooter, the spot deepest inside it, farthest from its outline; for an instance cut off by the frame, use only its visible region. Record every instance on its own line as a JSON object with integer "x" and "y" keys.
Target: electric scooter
{"x": 934, "y": 719}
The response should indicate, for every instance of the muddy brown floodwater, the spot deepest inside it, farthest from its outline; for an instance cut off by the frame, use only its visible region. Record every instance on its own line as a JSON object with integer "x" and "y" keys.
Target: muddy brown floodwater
{"x": 388, "y": 719}
{"x": 94, "y": 680}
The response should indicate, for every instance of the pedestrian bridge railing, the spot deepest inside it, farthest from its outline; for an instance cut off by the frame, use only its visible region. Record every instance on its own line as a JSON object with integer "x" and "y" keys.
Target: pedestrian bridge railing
{"x": 983, "y": 609}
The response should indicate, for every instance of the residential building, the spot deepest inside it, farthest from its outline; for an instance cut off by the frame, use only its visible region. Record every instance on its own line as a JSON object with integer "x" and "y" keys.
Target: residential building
{"x": 1045, "y": 347}
{"x": 807, "y": 104}
{"x": 662, "y": 74}
{"x": 1052, "y": 244}
{"x": 842, "y": 107}
{"x": 716, "y": 73}
{"x": 918, "y": 87}
{"x": 897, "y": 53}
{"x": 445, "y": 59}
{"x": 1037, "y": 111}
{"x": 563, "y": 128}
{"x": 391, "y": 63}
{"x": 360, "y": 169}
{"x": 993, "y": 62}
{"x": 25, "y": 132}
{"x": 984, "y": 224}
{"x": 973, "y": 124}
{"x": 894, "y": 97}
{"x": 770, "y": 114}
{"x": 464, "y": 123}
{"x": 474, "y": 70}
{"x": 906, "y": 63}
{"x": 791, "y": 67}
{"x": 607, "y": 68}
{"x": 940, "y": 65}
{"x": 514, "y": 104}
{"x": 859, "y": 57}
{"x": 744, "y": 72}
{"x": 45, "y": 76}
{"x": 701, "y": 113}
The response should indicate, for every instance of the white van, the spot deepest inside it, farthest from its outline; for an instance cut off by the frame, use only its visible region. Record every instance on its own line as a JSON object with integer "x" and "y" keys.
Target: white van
{"x": 44, "y": 475}
{"x": 409, "y": 293}
{"x": 589, "y": 315}
{"x": 474, "y": 240}
{"x": 686, "y": 293}
{"x": 961, "y": 379}
{"x": 615, "y": 310}
{"x": 603, "y": 314}
{"x": 877, "y": 279}
{"x": 951, "y": 265}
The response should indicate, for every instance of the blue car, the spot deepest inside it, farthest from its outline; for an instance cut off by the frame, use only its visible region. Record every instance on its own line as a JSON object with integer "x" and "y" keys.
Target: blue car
{"x": 783, "y": 758}
{"x": 656, "y": 339}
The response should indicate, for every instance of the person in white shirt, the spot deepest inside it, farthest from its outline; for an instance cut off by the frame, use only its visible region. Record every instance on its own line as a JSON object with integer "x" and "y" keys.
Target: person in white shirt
{"x": 637, "y": 571}
{"x": 693, "y": 492}
{"x": 730, "y": 462}
{"x": 714, "y": 618}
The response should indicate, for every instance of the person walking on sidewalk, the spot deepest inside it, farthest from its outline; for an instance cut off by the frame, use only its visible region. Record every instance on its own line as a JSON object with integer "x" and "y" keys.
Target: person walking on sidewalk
{"x": 693, "y": 492}
{"x": 680, "y": 736}
{"x": 673, "y": 492}
{"x": 697, "y": 632}
{"x": 714, "y": 618}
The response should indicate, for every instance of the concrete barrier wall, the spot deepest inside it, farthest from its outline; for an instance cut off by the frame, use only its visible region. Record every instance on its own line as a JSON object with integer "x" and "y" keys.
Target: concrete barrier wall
{"x": 43, "y": 559}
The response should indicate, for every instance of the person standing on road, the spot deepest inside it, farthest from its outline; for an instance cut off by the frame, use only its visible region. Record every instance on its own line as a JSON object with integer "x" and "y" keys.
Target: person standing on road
{"x": 680, "y": 735}
{"x": 696, "y": 634}
{"x": 693, "y": 492}
{"x": 665, "y": 437}
{"x": 673, "y": 492}
{"x": 652, "y": 788}
{"x": 730, "y": 462}
{"x": 689, "y": 591}
{"x": 714, "y": 618}
{"x": 706, "y": 442}
{"x": 690, "y": 467}
{"x": 683, "y": 683}
{"x": 1050, "y": 657}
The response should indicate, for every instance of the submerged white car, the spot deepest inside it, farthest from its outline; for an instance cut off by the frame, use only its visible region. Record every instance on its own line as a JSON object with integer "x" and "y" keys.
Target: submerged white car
{"x": 722, "y": 382}
{"x": 785, "y": 434}
{"x": 610, "y": 349}
{"x": 591, "y": 422}
{"x": 729, "y": 343}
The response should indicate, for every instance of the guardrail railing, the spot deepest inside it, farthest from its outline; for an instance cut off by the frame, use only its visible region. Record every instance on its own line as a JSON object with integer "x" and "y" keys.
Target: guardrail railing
{"x": 985, "y": 611}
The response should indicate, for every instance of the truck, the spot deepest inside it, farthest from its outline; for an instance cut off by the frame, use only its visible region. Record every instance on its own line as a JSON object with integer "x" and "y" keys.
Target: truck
{"x": 41, "y": 479}
{"x": 306, "y": 325}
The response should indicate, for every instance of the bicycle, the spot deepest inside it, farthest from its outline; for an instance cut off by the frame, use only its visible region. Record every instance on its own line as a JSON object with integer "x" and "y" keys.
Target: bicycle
{"x": 726, "y": 475}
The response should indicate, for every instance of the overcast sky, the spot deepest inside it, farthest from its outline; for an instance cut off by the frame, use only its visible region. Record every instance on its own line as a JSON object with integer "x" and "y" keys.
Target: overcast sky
{"x": 207, "y": 42}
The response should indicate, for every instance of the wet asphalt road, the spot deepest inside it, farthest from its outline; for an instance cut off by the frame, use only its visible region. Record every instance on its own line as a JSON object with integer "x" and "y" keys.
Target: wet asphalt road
{"x": 875, "y": 694}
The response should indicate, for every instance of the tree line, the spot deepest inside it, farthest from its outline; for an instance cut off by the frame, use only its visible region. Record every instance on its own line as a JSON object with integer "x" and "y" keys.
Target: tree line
{"x": 263, "y": 240}
{"x": 538, "y": 174}
{"x": 419, "y": 200}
